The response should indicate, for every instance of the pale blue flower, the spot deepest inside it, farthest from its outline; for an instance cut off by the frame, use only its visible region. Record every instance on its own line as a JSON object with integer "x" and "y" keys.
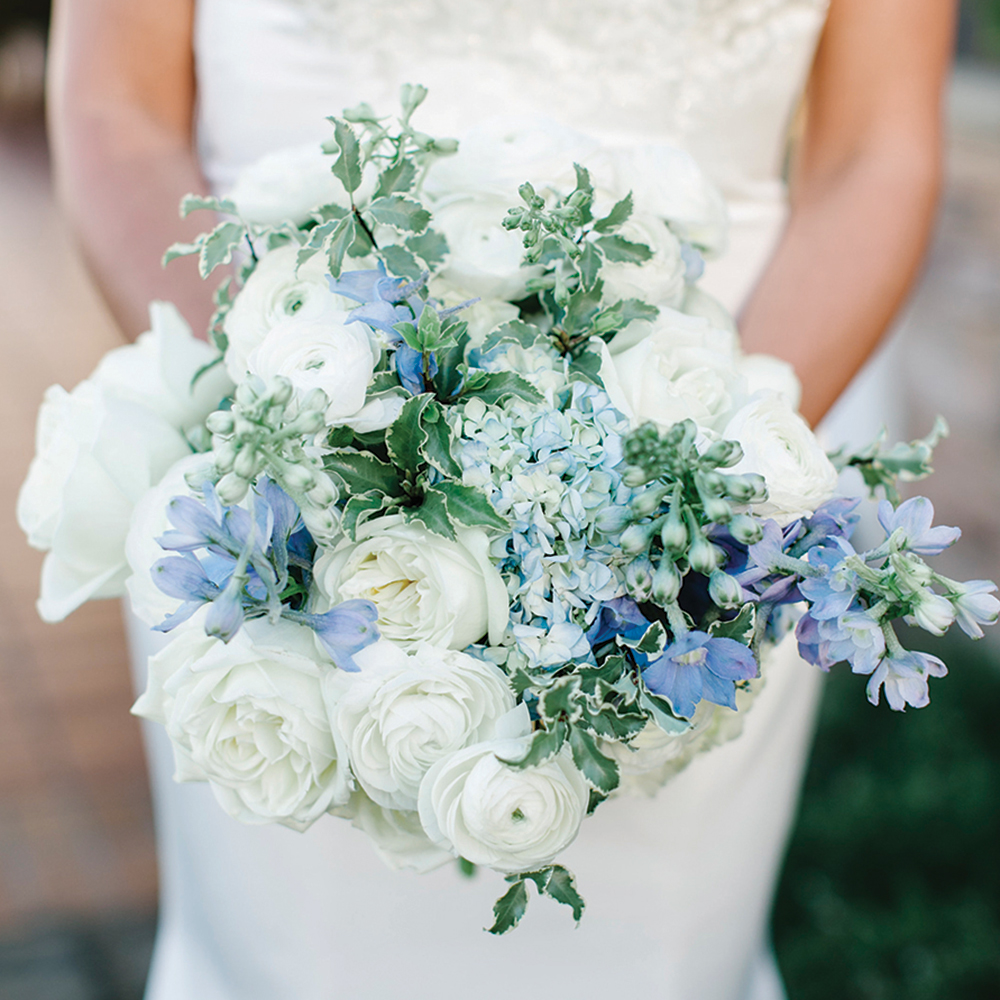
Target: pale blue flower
{"x": 975, "y": 606}
{"x": 913, "y": 517}
{"x": 905, "y": 675}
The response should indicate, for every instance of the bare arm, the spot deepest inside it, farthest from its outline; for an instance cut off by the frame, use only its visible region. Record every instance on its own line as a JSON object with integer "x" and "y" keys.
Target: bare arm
{"x": 121, "y": 110}
{"x": 863, "y": 192}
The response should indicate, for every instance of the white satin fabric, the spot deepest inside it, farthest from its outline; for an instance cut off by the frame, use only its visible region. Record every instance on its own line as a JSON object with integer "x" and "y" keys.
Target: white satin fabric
{"x": 678, "y": 887}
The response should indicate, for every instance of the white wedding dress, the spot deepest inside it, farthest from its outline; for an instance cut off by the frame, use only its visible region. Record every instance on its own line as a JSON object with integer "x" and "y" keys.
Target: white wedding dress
{"x": 678, "y": 887}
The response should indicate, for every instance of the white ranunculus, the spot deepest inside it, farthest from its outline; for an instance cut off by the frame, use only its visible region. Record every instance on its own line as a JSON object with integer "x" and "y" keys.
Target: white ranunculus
{"x": 660, "y": 280}
{"x": 674, "y": 368}
{"x": 149, "y": 521}
{"x": 157, "y": 370}
{"x": 764, "y": 371}
{"x": 507, "y": 818}
{"x": 426, "y": 588}
{"x": 778, "y": 444}
{"x": 96, "y": 455}
{"x": 498, "y": 155}
{"x": 403, "y": 712}
{"x": 379, "y": 411}
{"x": 320, "y": 351}
{"x": 698, "y": 302}
{"x": 398, "y": 837}
{"x": 286, "y": 185}
{"x": 666, "y": 182}
{"x": 249, "y": 717}
{"x": 484, "y": 257}
{"x": 274, "y": 292}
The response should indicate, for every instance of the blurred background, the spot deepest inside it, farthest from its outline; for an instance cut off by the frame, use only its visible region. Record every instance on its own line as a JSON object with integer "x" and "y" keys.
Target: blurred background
{"x": 891, "y": 888}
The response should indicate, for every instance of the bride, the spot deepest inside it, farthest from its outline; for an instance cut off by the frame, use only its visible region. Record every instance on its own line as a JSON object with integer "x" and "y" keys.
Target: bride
{"x": 679, "y": 887}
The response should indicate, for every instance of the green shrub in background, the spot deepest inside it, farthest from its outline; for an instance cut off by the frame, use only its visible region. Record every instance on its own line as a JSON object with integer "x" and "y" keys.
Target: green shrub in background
{"x": 891, "y": 889}
{"x": 979, "y": 29}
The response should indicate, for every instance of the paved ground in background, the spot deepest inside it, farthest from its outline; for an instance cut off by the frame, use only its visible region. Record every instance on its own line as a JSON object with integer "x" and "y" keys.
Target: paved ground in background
{"x": 77, "y": 869}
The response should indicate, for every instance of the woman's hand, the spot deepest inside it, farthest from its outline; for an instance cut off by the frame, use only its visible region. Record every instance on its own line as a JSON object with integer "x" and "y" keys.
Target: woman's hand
{"x": 121, "y": 119}
{"x": 864, "y": 190}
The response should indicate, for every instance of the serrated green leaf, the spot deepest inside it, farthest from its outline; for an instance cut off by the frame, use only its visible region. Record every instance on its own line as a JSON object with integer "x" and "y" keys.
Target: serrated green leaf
{"x": 437, "y": 448}
{"x": 652, "y": 642}
{"x": 545, "y": 744}
{"x": 526, "y": 335}
{"x": 562, "y": 700}
{"x": 492, "y": 387}
{"x": 400, "y": 262}
{"x": 620, "y": 213}
{"x": 398, "y": 176}
{"x": 176, "y": 250}
{"x": 594, "y": 801}
{"x": 347, "y": 167}
{"x": 340, "y": 436}
{"x": 406, "y": 437}
{"x": 383, "y": 382}
{"x": 581, "y": 308}
{"x": 432, "y": 514}
{"x": 740, "y": 628}
{"x": 608, "y": 672}
{"x": 468, "y": 507}
{"x": 509, "y": 909}
{"x": 362, "y": 472}
{"x": 586, "y": 367}
{"x": 662, "y": 713}
{"x": 359, "y": 509}
{"x": 589, "y": 264}
{"x": 196, "y": 203}
{"x": 561, "y": 886}
{"x": 623, "y": 251}
{"x": 337, "y": 243}
{"x": 615, "y": 723}
{"x": 430, "y": 246}
{"x": 631, "y": 309}
{"x": 599, "y": 771}
{"x": 218, "y": 246}
{"x": 448, "y": 380}
{"x": 317, "y": 238}
{"x": 401, "y": 213}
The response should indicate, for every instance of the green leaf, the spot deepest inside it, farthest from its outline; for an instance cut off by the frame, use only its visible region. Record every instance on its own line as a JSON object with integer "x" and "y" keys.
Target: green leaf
{"x": 406, "y": 438}
{"x": 740, "y": 628}
{"x": 582, "y": 307}
{"x": 663, "y": 714}
{"x": 589, "y": 264}
{"x": 347, "y": 168}
{"x": 600, "y": 772}
{"x": 401, "y": 213}
{"x": 619, "y": 214}
{"x": 429, "y": 329}
{"x": 400, "y": 262}
{"x": 623, "y": 251}
{"x": 471, "y": 508}
{"x": 317, "y": 240}
{"x": 586, "y": 366}
{"x": 437, "y": 448}
{"x": 196, "y": 203}
{"x": 432, "y": 514}
{"x": 653, "y": 640}
{"x": 561, "y": 886}
{"x": 631, "y": 309}
{"x": 545, "y": 744}
{"x": 509, "y": 909}
{"x": 616, "y": 723}
{"x": 362, "y": 472}
{"x": 359, "y": 509}
{"x": 431, "y": 247}
{"x": 398, "y": 176}
{"x": 218, "y": 246}
{"x": 176, "y": 250}
{"x": 608, "y": 672}
{"x": 207, "y": 367}
{"x": 594, "y": 801}
{"x": 467, "y": 868}
{"x": 562, "y": 700}
{"x": 492, "y": 387}
{"x": 338, "y": 242}
{"x": 448, "y": 379}
{"x": 383, "y": 382}
{"x": 515, "y": 332}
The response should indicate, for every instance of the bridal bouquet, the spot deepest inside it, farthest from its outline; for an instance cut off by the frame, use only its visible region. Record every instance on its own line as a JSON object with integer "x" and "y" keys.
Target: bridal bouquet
{"x": 474, "y": 514}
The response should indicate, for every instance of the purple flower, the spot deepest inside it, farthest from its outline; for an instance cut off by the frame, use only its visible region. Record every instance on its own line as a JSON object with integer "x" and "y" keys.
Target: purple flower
{"x": 619, "y": 616}
{"x": 914, "y": 517}
{"x": 697, "y": 666}
{"x": 905, "y": 675}
{"x": 344, "y": 630}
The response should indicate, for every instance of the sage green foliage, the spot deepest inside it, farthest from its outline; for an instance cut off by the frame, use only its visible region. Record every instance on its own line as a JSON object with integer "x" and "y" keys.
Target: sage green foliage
{"x": 882, "y": 467}
{"x": 859, "y": 918}
{"x": 553, "y": 881}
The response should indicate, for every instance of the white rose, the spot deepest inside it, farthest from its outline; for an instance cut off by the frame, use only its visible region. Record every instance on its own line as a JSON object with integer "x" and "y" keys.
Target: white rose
{"x": 507, "y": 818}
{"x": 273, "y": 292}
{"x": 666, "y": 182}
{"x": 498, "y": 155}
{"x": 675, "y": 368}
{"x": 484, "y": 257}
{"x": 96, "y": 455}
{"x": 320, "y": 351}
{"x": 285, "y": 186}
{"x": 149, "y": 521}
{"x": 402, "y": 713}
{"x": 698, "y": 302}
{"x": 778, "y": 444}
{"x": 660, "y": 280}
{"x": 426, "y": 588}
{"x": 763, "y": 371}
{"x": 398, "y": 837}
{"x": 156, "y": 371}
{"x": 249, "y": 717}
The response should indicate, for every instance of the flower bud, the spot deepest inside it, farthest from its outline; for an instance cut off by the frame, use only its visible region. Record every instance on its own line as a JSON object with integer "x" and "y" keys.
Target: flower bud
{"x": 717, "y": 510}
{"x": 724, "y": 590}
{"x": 933, "y": 613}
{"x": 247, "y": 463}
{"x": 281, "y": 390}
{"x": 666, "y": 582}
{"x": 231, "y": 489}
{"x": 636, "y": 538}
{"x": 323, "y": 494}
{"x": 703, "y": 556}
{"x": 220, "y": 422}
{"x": 309, "y": 422}
{"x": 648, "y": 502}
{"x": 748, "y": 488}
{"x": 639, "y": 579}
{"x": 674, "y": 534}
{"x": 248, "y": 390}
{"x": 635, "y": 476}
{"x": 746, "y": 529}
{"x": 612, "y": 519}
{"x": 224, "y": 455}
{"x": 316, "y": 400}
{"x": 298, "y": 478}
{"x": 723, "y": 453}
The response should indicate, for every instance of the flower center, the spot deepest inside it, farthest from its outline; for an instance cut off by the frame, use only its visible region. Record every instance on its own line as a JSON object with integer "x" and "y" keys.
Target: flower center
{"x": 690, "y": 659}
